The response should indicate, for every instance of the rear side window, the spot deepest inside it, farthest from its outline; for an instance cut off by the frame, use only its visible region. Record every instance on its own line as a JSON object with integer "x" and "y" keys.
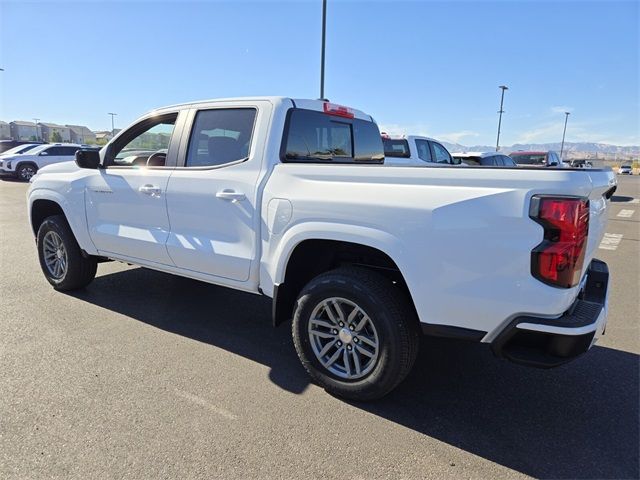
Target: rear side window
{"x": 424, "y": 152}
{"x": 69, "y": 151}
{"x": 312, "y": 136}
{"x": 397, "y": 148}
{"x": 220, "y": 136}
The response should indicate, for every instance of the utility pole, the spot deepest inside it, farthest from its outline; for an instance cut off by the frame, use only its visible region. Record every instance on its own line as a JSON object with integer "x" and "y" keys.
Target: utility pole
{"x": 501, "y": 111}
{"x": 324, "y": 38}
{"x": 113, "y": 130}
{"x": 37, "y": 136}
{"x": 566, "y": 117}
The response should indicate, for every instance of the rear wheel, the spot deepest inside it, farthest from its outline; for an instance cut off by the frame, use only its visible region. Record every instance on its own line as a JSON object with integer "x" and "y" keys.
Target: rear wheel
{"x": 60, "y": 256}
{"x": 355, "y": 333}
{"x": 26, "y": 171}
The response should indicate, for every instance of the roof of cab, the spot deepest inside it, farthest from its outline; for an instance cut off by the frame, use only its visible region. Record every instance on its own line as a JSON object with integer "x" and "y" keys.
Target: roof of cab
{"x": 477, "y": 154}
{"x": 308, "y": 104}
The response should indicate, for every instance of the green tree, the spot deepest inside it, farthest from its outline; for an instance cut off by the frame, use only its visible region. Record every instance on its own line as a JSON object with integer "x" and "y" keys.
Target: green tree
{"x": 56, "y": 137}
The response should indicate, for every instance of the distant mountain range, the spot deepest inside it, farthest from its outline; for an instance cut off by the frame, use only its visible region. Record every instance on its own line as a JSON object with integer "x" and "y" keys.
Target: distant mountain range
{"x": 581, "y": 147}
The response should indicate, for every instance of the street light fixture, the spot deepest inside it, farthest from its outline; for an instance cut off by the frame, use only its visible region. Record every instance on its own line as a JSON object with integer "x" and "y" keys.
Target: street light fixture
{"x": 566, "y": 117}
{"x": 113, "y": 130}
{"x": 501, "y": 111}
{"x": 37, "y": 136}
{"x": 324, "y": 37}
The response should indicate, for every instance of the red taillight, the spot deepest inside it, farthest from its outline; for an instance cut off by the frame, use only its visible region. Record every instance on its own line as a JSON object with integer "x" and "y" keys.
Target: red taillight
{"x": 338, "y": 110}
{"x": 559, "y": 258}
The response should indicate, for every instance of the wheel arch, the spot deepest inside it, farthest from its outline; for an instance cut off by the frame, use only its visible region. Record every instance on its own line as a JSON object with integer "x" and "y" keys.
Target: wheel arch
{"x": 46, "y": 202}
{"x": 41, "y": 209}
{"x": 26, "y": 162}
{"x": 312, "y": 256}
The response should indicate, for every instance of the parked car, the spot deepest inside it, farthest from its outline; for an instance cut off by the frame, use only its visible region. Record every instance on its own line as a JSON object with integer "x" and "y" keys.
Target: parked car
{"x": 24, "y": 166}
{"x": 415, "y": 151}
{"x": 580, "y": 164}
{"x": 485, "y": 159}
{"x": 538, "y": 159}
{"x": 19, "y": 149}
{"x": 290, "y": 199}
{"x": 625, "y": 170}
{"x": 9, "y": 144}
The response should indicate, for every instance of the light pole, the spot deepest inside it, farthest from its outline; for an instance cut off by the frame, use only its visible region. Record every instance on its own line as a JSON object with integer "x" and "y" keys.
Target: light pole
{"x": 37, "y": 136}
{"x": 566, "y": 117}
{"x": 324, "y": 37}
{"x": 113, "y": 130}
{"x": 501, "y": 111}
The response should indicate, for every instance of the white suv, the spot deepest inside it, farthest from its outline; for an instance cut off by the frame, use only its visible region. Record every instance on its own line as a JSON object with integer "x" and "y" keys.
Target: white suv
{"x": 24, "y": 166}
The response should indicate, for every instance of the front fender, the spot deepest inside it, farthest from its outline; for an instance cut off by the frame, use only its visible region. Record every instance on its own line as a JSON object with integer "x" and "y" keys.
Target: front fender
{"x": 73, "y": 208}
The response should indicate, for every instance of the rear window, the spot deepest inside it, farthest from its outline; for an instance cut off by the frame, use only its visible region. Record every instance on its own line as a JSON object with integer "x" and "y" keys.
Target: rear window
{"x": 312, "y": 136}
{"x": 529, "y": 159}
{"x": 396, "y": 148}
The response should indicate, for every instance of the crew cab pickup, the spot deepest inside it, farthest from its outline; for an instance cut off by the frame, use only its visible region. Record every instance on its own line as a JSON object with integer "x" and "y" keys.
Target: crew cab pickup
{"x": 290, "y": 199}
{"x": 415, "y": 151}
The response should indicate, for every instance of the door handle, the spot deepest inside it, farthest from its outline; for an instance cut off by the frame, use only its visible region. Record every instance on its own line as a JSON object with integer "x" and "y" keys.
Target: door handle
{"x": 151, "y": 190}
{"x": 228, "y": 194}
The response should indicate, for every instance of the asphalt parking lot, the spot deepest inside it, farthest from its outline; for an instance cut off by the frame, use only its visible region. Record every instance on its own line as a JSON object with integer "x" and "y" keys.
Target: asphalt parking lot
{"x": 145, "y": 375}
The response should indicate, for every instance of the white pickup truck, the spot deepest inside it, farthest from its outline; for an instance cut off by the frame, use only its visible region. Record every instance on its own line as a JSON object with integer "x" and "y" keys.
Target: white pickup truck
{"x": 416, "y": 151}
{"x": 289, "y": 199}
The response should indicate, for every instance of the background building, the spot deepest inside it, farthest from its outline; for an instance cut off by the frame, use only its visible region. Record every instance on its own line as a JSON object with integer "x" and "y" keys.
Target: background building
{"x": 81, "y": 134}
{"x": 52, "y": 132}
{"x": 21, "y": 130}
{"x": 5, "y": 131}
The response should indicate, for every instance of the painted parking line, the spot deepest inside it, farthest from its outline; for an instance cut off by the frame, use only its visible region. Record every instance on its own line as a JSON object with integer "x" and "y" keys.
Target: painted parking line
{"x": 611, "y": 241}
{"x": 635, "y": 200}
{"x": 625, "y": 213}
{"x": 205, "y": 404}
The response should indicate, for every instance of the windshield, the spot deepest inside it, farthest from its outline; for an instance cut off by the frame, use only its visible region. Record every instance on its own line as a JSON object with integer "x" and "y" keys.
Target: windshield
{"x": 529, "y": 159}
{"x": 20, "y": 149}
{"x": 38, "y": 149}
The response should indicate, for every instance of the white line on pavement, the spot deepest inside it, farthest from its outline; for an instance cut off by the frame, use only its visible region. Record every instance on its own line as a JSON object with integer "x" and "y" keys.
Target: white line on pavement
{"x": 611, "y": 241}
{"x": 203, "y": 403}
{"x": 625, "y": 213}
{"x": 635, "y": 200}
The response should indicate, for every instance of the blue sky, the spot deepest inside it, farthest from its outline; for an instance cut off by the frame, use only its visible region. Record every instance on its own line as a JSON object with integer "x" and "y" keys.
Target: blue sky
{"x": 418, "y": 67}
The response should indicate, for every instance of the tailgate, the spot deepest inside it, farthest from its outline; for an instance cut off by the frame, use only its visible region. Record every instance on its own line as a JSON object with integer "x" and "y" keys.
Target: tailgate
{"x": 603, "y": 183}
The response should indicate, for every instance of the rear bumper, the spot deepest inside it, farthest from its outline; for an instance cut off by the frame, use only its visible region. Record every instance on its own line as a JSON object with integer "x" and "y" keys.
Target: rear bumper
{"x": 546, "y": 343}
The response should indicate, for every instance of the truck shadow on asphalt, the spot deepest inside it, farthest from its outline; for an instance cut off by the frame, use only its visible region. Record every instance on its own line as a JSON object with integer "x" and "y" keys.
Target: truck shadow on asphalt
{"x": 576, "y": 421}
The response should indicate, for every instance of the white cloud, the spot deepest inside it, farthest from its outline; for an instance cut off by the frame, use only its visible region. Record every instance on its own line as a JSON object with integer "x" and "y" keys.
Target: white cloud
{"x": 456, "y": 137}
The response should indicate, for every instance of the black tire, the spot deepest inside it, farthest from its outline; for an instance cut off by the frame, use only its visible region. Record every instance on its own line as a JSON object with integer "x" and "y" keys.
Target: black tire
{"x": 391, "y": 314}
{"x": 80, "y": 270}
{"x": 25, "y": 171}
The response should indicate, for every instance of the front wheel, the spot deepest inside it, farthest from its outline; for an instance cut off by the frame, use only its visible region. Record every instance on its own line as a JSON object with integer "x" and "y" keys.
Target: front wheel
{"x": 26, "y": 171}
{"x": 62, "y": 262}
{"x": 355, "y": 333}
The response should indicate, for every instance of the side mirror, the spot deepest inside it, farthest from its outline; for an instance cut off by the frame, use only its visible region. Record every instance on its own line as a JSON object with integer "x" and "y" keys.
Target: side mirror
{"x": 455, "y": 161}
{"x": 88, "y": 159}
{"x": 42, "y": 154}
